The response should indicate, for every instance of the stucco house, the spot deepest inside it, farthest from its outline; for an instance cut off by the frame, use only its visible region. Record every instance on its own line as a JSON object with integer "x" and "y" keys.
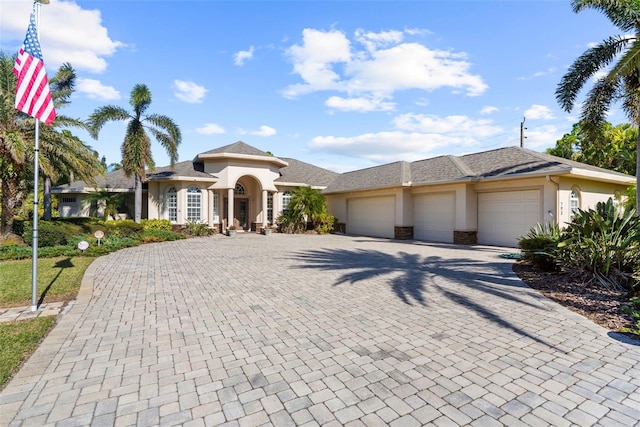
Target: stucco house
{"x": 491, "y": 197}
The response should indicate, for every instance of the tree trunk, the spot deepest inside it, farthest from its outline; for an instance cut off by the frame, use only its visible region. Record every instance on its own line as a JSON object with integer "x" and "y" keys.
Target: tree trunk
{"x": 9, "y": 203}
{"x": 138, "y": 199}
{"x": 47, "y": 198}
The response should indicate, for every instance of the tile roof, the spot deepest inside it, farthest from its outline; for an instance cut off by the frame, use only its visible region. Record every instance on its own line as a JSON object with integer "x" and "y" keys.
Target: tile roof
{"x": 187, "y": 169}
{"x": 116, "y": 179}
{"x": 302, "y": 172}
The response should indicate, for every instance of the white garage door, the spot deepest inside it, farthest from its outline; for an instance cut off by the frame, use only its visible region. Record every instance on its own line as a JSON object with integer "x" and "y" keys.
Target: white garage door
{"x": 503, "y": 216}
{"x": 434, "y": 217}
{"x": 372, "y": 216}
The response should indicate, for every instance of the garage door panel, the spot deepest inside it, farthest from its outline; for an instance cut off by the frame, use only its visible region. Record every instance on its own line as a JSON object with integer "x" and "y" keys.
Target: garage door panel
{"x": 434, "y": 217}
{"x": 372, "y": 216}
{"x": 503, "y": 216}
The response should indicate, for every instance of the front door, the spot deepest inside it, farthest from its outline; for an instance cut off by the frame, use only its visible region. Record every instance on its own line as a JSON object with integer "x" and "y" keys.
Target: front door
{"x": 240, "y": 211}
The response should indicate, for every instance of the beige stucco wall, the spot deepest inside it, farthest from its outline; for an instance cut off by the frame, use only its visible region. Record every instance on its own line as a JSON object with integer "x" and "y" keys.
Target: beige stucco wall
{"x": 591, "y": 192}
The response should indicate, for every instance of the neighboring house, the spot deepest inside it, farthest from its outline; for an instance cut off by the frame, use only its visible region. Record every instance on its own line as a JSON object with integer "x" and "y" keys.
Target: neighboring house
{"x": 489, "y": 198}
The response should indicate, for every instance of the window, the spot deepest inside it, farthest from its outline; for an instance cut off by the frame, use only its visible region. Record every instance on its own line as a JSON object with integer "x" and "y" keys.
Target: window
{"x": 194, "y": 204}
{"x": 270, "y": 207}
{"x": 216, "y": 208}
{"x": 69, "y": 200}
{"x": 239, "y": 189}
{"x": 286, "y": 199}
{"x": 575, "y": 201}
{"x": 172, "y": 205}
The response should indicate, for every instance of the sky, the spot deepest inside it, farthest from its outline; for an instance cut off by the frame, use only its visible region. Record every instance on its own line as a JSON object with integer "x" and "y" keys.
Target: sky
{"x": 343, "y": 85}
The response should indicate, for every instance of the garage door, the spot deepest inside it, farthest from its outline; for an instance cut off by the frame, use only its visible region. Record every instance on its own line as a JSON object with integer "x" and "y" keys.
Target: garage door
{"x": 434, "y": 216}
{"x": 504, "y": 216}
{"x": 372, "y": 216}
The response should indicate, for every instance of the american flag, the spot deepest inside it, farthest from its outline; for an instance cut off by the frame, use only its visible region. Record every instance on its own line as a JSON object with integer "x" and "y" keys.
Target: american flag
{"x": 32, "y": 91}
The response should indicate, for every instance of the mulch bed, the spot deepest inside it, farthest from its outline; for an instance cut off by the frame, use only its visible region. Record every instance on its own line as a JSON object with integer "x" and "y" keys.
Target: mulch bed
{"x": 603, "y": 306}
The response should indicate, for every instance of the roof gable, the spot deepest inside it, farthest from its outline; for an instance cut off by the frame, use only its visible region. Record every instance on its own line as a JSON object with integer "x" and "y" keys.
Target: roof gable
{"x": 238, "y": 148}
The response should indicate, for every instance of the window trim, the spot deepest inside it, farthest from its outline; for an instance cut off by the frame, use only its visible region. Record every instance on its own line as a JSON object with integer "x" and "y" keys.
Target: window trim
{"x": 193, "y": 204}
{"x": 172, "y": 209}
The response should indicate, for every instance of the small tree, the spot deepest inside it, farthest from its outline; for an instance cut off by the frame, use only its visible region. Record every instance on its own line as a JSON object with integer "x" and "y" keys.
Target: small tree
{"x": 111, "y": 201}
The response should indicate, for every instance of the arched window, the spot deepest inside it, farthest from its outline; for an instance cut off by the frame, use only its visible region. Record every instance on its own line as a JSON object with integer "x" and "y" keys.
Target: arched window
{"x": 574, "y": 201}
{"x": 172, "y": 205}
{"x": 286, "y": 199}
{"x": 194, "y": 204}
{"x": 239, "y": 189}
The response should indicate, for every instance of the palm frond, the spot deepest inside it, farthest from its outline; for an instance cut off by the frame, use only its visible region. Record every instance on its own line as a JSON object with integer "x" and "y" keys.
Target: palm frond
{"x": 585, "y": 67}
{"x": 624, "y": 14}
{"x": 598, "y": 102}
{"x": 103, "y": 115}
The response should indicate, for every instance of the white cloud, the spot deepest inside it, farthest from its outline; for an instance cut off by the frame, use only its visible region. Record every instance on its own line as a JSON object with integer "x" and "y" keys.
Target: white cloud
{"x": 538, "y": 112}
{"x": 416, "y": 137}
{"x": 94, "y": 89}
{"x": 459, "y": 126}
{"x": 358, "y": 104}
{"x": 68, "y": 33}
{"x": 489, "y": 110}
{"x": 264, "y": 131}
{"x": 210, "y": 129}
{"x": 541, "y": 137}
{"x": 546, "y": 72}
{"x": 327, "y": 60}
{"x": 189, "y": 92}
{"x": 242, "y": 56}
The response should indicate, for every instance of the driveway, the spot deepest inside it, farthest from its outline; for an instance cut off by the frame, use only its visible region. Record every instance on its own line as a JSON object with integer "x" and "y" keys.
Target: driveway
{"x": 320, "y": 330}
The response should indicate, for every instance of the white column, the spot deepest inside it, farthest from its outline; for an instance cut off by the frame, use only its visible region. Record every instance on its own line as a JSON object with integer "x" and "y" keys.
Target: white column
{"x": 230, "y": 194}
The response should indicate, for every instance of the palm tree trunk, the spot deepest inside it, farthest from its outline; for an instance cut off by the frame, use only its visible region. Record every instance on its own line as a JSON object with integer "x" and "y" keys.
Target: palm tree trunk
{"x": 9, "y": 203}
{"x": 47, "y": 198}
{"x": 138, "y": 199}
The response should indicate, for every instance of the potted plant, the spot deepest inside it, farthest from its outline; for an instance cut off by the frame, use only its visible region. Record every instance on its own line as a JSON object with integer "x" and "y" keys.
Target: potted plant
{"x": 266, "y": 230}
{"x": 231, "y": 231}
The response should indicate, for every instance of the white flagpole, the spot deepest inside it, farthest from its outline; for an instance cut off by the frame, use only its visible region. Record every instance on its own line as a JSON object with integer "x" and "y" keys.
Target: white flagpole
{"x": 36, "y": 177}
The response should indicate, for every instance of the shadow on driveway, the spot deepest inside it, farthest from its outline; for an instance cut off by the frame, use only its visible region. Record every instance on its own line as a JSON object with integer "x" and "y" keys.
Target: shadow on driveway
{"x": 412, "y": 277}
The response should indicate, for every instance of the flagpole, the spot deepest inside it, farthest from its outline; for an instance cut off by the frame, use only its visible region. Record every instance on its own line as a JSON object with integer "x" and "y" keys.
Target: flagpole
{"x": 36, "y": 209}
{"x": 34, "y": 243}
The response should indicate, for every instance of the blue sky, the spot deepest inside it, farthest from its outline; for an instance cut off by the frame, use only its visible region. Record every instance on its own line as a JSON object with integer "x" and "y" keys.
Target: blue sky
{"x": 340, "y": 84}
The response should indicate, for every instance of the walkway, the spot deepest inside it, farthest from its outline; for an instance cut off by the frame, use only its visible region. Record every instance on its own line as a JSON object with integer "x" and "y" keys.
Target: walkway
{"x": 320, "y": 330}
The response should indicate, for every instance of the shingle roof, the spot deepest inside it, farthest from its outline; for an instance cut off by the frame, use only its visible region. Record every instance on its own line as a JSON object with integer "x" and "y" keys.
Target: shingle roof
{"x": 115, "y": 179}
{"x": 502, "y": 162}
{"x": 238, "y": 148}
{"x": 375, "y": 177}
{"x": 301, "y": 172}
{"x": 187, "y": 169}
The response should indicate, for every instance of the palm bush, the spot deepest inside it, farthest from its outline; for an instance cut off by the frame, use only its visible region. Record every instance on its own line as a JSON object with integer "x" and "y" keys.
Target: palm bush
{"x": 540, "y": 245}
{"x": 603, "y": 245}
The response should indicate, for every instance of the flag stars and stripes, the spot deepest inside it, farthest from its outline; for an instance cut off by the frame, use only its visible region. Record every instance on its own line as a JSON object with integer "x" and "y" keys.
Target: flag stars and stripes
{"x": 32, "y": 91}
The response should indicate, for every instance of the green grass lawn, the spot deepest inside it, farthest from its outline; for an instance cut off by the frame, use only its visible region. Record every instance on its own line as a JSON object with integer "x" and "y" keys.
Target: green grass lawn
{"x": 58, "y": 280}
{"x": 18, "y": 340}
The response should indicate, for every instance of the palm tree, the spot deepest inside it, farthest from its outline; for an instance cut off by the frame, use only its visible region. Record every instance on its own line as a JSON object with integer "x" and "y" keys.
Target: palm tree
{"x": 136, "y": 146}
{"x": 619, "y": 83}
{"x": 14, "y": 145}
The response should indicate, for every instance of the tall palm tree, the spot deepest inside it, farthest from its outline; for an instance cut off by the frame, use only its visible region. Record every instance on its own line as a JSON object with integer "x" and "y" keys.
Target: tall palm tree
{"x": 14, "y": 145}
{"x": 621, "y": 82}
{"x": 136, "y": 146}
{"x": 61, "y": 153}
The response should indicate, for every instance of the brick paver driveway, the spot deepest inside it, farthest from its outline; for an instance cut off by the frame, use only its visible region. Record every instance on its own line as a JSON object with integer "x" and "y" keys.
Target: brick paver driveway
{"x": 320, "y": 330}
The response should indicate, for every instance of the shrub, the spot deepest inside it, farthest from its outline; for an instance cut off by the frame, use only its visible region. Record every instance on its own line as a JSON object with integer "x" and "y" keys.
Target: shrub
{"x": 156, "y": 224}
{"x": 123, "y": 228}
{"x": 603, "y": 245}
{"x": 157, "y": 235}
{"x": 325, "y": 222}
{"x": 540, "y": 245}
{"x": 197, "y": 228}
{"x": 49, "y": 233}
